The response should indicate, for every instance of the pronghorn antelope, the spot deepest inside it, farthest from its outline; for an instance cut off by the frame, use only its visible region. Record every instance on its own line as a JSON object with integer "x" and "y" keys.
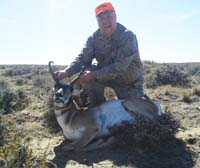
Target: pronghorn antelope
{"x": 83, "y": 126}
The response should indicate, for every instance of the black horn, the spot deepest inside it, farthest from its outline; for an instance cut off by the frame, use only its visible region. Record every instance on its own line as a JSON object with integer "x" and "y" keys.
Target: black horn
{"x": 52, "y": 73}
{"x": 77, "y": 78}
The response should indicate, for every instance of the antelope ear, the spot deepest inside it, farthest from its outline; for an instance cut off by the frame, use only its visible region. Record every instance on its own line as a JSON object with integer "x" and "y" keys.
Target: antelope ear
{"x": 77, "y": 92}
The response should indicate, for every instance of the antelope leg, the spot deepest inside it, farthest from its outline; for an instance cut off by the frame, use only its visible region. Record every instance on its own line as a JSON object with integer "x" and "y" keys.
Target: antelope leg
{"x": 69, "y": 146}
{"x": 87, "y": 137}
{"x": 100, "y": 143}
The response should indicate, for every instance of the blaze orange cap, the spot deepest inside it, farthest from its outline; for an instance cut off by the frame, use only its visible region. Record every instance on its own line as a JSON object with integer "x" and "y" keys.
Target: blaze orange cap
{"x": 106, "y": 6}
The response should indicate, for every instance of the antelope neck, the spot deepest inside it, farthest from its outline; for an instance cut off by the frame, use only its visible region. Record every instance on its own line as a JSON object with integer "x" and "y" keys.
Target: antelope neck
{"x": 63, "y": 110}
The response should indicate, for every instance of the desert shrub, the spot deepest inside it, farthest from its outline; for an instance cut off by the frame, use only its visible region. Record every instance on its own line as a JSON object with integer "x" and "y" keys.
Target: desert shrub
{"x": 150, "y": 81}
{"x": 2, "y": 67}
{"x": 197, "y": 91}
{"x": 12, "y": 101}
{"x": 42, "y": 81}
{"x": 20, "y": 82}
{"x": 42, "y": 86}
{"x": 167, "y": 75}
{"x": 187, "y": 97}
{"x": 171, "y": 75}
{"x": 15, "y": 71}
{"x": 40, "y": 70}
{"x": 28, "y": 76}
{"x": 147, "y": 134}
{"x": 3, "y": 84}
{"x": 39, "y": 82}
{"x": 2, "y": 130}
{"x": 194, "y": 69}
{"x": 14, "y": 151}
{"x": 148, "y": 66}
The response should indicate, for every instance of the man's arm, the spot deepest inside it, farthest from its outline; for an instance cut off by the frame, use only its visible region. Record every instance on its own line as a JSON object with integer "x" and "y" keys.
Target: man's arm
{"x": 84, "y": 58}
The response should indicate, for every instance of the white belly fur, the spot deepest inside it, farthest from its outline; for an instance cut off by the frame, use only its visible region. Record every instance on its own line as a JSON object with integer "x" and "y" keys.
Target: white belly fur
{"x": 112, "y": 113}
{"x": 69, "y": 133}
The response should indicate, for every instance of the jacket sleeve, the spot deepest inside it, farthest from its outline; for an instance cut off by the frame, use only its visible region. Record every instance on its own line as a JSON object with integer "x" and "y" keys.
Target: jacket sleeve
{"x": 127, "y": 52}
{"x": 84, "y": 58}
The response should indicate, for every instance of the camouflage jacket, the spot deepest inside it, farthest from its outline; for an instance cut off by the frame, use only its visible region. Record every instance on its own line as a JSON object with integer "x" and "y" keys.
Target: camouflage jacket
{"x": 117, "y": 57}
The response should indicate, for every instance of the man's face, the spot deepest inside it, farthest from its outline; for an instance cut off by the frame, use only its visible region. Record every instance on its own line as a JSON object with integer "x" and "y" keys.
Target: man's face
{"x": 107, "y": 23}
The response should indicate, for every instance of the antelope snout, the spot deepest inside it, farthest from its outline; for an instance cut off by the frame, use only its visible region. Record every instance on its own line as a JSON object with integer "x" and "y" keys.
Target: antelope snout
{"x": 59, "y": 92}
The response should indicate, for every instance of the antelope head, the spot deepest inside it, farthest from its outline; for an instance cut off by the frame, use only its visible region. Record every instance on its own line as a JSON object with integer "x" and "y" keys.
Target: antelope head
{"x": 63, "y": 93}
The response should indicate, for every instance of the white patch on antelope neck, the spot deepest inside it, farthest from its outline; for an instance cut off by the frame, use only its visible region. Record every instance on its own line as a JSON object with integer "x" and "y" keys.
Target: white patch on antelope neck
{"x": 58, "y": 113}
{"x": 60, "y": 118}
{"x": 58, "y": 105}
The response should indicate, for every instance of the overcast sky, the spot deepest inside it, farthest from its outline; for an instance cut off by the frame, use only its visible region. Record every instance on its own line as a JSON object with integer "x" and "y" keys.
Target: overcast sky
{"x": 37, "y": 31}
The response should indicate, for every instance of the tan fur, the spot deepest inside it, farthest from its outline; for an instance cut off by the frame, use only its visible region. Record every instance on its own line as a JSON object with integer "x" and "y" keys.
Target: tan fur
{"x": 145, "y": 107}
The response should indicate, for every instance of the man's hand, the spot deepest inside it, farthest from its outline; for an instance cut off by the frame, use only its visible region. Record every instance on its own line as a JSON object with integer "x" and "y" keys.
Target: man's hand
{"x": 86, "y": 77}
{"x": 61, "y": 74}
